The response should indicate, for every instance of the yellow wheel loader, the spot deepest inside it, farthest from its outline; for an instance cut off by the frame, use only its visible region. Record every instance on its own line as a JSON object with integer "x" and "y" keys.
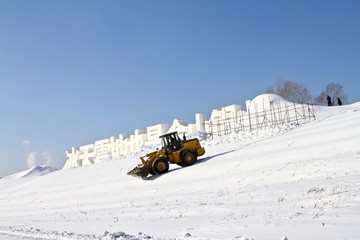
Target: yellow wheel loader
{"x": 174, "y": 150}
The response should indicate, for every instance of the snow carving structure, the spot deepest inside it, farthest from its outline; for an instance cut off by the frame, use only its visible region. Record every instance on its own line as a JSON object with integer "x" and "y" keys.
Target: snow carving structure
{"x": 263, "y": 111}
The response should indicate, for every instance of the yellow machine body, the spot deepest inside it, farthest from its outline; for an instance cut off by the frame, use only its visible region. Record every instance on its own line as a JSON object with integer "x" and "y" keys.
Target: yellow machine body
{"x": 182, "y": 152}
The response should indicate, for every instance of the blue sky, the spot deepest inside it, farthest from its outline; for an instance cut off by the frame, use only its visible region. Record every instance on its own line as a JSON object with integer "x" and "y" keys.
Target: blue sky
{"x": 73, "y": 72}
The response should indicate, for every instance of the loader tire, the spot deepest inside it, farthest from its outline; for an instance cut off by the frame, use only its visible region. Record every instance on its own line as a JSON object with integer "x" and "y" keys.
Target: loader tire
{"x": 160, "y": 166}
{"x": 188, "y": 158}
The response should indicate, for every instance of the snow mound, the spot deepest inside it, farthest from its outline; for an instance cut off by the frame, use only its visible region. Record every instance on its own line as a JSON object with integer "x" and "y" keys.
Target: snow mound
{"x": 40, "y": 171}
{"x": 272, "y": 98}
{"x": 265, "y": 102}
{"x": 32, "y": 172}
{"x": 35, "y": 233}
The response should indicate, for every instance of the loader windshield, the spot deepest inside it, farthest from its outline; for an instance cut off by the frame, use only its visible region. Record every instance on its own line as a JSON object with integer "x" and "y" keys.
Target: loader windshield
{"x": 171, "y": 142}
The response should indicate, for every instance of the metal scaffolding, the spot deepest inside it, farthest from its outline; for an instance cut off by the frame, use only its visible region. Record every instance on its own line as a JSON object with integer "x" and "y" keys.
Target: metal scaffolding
{"x": 277, "y": 114}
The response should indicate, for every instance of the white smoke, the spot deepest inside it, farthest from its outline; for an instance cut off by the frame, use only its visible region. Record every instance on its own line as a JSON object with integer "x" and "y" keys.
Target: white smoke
{"x": 31, "y": 160}
{"x": 49, "y": 160}
{"x": 46, "y": 157}
{"x": 26, "y": 143}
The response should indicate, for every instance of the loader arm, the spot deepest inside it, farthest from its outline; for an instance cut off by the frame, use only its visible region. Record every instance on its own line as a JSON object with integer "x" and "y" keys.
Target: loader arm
{"x": 145, "y": 167}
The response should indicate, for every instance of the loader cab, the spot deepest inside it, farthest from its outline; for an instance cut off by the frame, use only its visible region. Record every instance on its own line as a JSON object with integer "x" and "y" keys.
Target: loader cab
{"x": 171, "y": 142}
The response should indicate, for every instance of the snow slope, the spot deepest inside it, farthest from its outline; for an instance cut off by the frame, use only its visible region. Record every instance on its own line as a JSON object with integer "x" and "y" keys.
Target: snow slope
{"x": 298, "y": 182}
{"x": 31, "y": 172}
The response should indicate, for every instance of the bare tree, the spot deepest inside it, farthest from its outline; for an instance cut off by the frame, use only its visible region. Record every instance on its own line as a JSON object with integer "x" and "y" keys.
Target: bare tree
{"x": 301, "y": 93}
{"x": 321, "y": 99}
{"x": 291, "y": 91}
{"x": 335, "y": 92}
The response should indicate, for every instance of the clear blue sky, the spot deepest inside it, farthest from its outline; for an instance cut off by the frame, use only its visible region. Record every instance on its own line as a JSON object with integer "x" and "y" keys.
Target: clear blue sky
{"x": 76, "y": 71}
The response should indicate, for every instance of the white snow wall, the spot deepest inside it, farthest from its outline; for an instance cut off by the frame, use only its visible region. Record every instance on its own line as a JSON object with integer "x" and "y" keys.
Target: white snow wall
{"x": 262, "y": 111}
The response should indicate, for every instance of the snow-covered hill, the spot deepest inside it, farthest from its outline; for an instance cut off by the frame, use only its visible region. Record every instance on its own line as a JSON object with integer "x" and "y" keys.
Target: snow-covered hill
{"x": 31, "y": 172}
{"x": 298, "y": 182}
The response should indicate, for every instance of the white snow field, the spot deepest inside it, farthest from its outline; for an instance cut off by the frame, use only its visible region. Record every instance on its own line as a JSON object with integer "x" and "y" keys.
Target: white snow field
{"x": 287, "y": 182}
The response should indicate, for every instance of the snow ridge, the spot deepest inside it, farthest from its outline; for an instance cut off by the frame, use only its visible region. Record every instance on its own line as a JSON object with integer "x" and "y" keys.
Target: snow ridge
{"x": 33, "y": 172}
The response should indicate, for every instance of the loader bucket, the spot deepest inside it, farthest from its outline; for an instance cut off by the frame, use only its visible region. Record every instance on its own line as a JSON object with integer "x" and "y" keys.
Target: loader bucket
{"x": 141, "y": 170}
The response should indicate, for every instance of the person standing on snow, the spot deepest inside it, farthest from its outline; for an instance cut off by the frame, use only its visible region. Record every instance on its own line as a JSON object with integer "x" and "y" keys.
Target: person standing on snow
{"x": 328, "y": 100}
{"x": 339, "y": 101}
